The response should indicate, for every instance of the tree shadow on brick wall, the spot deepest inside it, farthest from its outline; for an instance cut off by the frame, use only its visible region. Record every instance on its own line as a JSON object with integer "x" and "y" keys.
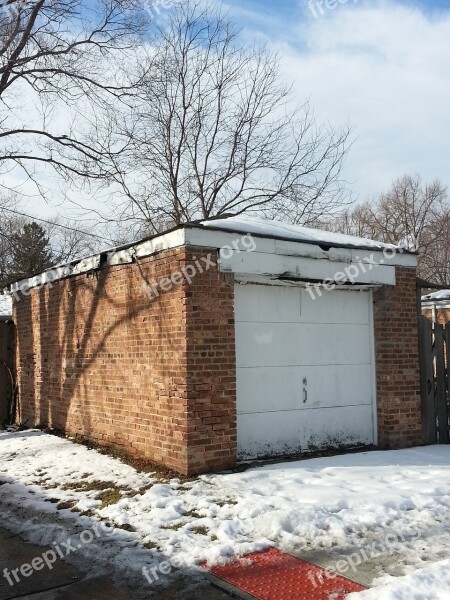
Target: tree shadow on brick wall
{"x": 76, "y": 330}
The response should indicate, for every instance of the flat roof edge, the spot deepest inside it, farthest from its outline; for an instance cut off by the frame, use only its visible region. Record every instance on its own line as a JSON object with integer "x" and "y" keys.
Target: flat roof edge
{"x": 173, "y": 238}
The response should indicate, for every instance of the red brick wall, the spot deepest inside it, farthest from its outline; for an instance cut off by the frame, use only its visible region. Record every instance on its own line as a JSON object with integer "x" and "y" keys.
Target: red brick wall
{"x": 95, "y": 357}
{"x": 397, "y": 362}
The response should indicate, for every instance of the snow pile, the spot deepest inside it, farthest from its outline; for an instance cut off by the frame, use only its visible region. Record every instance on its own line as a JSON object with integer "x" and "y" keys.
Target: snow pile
{"x": 432, "y": 583}
{"x": 5, "y": 306}
{"x": 437, "y": 296}
{"x": 323, "y": 504}
{"x": 276, "y": 229}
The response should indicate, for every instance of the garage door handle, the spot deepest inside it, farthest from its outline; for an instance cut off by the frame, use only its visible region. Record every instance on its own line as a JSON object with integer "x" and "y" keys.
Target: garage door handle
{"x": 305, "y": 391}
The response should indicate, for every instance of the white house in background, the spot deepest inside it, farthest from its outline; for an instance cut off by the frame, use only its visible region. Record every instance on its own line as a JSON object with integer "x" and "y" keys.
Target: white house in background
{"x": 5, "y": 307}
{"x": 436, "y": 306}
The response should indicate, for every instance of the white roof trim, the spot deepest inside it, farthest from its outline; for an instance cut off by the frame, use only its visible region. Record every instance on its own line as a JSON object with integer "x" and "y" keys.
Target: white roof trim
{"x": 437, "y": 304}
{"x": 307, "y": 269}
{"x": 213, "y": 237}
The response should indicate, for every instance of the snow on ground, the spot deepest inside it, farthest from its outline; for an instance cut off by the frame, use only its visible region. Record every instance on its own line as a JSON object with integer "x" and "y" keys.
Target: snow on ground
{"x": 431, "y": 583}
{"x": 353, "y": 503}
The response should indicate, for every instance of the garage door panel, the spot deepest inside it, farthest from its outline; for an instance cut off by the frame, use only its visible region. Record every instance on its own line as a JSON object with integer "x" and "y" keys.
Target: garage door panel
{"x": 338, "y": 427}
{"x": 339, "y": 306}
{"x": 268, "y": 304}
{"x": 272, "y": 434}
{"x": 276, "y": 304}
{"x": 304, "y": 370}
{"x": 283, "y": 388}
{"x": 268, "y": 434}
{"x": 290, "y": 344}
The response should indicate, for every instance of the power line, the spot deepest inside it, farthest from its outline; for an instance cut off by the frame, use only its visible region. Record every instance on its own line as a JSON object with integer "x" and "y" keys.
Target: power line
{"x": 16, "y": 212}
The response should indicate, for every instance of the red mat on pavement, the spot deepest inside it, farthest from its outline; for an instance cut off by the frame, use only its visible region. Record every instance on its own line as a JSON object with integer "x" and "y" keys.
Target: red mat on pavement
{"x": 274, "y": 575}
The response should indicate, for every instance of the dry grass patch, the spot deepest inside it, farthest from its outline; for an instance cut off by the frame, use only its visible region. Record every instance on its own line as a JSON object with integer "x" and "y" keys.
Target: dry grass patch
{"x": 226, "y": 501}
{"x": 200, "y": 529}
{"x": 87, "y": 486}
{"x": 174, "y": 527}
{"x": 151, "y": 545}
{"x": 107, "y": 492}
{"x": 125, "y": 527}
{"x": 140, "y": 490}
{"x": 193, "y": 514}
{"x": 67, "y": 505}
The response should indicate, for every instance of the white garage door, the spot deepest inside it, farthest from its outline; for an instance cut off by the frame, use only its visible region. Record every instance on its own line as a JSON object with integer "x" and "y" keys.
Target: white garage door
{"x": 305, "y": 369}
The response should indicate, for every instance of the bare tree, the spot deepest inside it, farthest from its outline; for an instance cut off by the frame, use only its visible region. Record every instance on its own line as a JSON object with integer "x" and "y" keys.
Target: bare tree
{"x": 69, "y": 241}
{"x": 357, "y": 220}
{"x": 435, "y": 258}
{"x": 215, "y": 133}
{"x": 9, "y": 226}
{"x": 406, "y": 213}
{"x": 411, "y": 213}
{"x": 61, "y": 55}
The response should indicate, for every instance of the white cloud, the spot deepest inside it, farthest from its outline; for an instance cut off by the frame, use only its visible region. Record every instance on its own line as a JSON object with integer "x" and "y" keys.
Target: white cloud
{"x": 384, "y": 67}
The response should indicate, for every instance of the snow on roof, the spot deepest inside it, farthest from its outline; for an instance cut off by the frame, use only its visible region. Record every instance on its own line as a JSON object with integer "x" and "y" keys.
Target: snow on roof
{"x": 276, "y": 229}
{"x": 5, "y": 306}
{"x": 240, "y": 224}
{"x": 437, "y": 296}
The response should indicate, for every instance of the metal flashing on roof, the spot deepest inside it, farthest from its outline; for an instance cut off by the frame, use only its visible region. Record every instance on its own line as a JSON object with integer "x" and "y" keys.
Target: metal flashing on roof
{"x": 220, "y": 233}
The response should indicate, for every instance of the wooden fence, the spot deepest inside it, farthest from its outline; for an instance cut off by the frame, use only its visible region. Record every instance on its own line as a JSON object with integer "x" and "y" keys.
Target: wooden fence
{"x": 434, "y": 373}
{"x": 7, "y": 340}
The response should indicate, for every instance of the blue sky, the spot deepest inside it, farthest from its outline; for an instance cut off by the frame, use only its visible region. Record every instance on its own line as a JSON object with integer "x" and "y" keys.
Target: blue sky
{"x": 288, "y": 6}
{"x": 381, "y": 65}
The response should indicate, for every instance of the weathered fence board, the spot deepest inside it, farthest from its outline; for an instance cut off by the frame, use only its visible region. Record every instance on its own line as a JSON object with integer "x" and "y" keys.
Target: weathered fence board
{"x": 434, "y": 346}
{"x": 441, "y": 384}
{"x": 447, "y": 340}
{"x": 427, "y": 380}
{"x": 6, "y": 368}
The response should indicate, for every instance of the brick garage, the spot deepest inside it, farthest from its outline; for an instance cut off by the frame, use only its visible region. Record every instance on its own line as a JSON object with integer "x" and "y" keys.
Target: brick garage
{"x": 112, "y": 349}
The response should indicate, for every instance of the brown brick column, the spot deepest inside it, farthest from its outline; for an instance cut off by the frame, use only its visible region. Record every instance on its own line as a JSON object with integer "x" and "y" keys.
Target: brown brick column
{"x": 211, "y": 367}
{"x": 397, "y": 362}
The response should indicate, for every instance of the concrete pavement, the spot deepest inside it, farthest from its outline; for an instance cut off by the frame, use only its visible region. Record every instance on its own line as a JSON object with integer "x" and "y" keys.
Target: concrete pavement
{"x": 64, "y": 582}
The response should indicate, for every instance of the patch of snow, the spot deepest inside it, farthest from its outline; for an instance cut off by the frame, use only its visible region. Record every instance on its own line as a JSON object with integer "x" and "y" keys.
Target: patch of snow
{"x": 5, "y": 306}
{"x": 277, "y": 229}
{"x": 440, "y": 295}
{"x": 431, "y": 583}
{"x": 343, "y": 502}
